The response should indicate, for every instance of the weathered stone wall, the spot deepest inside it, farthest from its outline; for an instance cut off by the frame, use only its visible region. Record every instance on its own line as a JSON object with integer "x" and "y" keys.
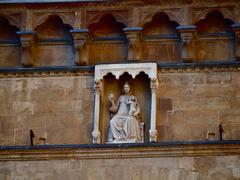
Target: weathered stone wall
{"x": 168, "y": 168}
{"x": 59, "y": 107}
{"x": 189, "y": 104}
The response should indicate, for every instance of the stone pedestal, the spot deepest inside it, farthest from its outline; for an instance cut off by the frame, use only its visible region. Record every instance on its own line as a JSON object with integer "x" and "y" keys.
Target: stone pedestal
{"x": 236, "y": 29}
{"x": 80, "y": 37}
{"x": 187, "y": 34}
{"x": 28, "y": 43}
{"x": 134, "y": 46}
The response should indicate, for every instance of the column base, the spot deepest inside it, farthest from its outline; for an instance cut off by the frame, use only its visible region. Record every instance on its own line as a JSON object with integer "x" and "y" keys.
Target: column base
{"x": 153, "y": 135}
{"x": 96, "y": 137}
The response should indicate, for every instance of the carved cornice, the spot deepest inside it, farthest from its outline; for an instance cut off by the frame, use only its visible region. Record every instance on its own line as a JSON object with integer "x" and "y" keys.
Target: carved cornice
{"x": 89, "y": 70}
{"x": 119, "y": 151}
{"x": 46, "y": 71}
{"x": 199, "y": 67}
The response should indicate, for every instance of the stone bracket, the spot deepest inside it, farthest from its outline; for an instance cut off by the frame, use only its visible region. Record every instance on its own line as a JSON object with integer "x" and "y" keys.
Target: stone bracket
{"x": 80, "y": 37}
{"x": 134, "y": 46}
{"x": 28, "y": 43}
{"x": 187, "y": 34}
{"x": 236, "y": 29}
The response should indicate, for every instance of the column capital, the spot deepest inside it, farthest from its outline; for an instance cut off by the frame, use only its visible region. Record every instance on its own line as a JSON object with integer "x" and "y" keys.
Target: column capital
{"x": 97, "y": 85}
{"x": 236, "y": 29}
{"x": 153, "y": 84}
{"x": 132, "y": 32}
{"x": 27, "y": 38}
{"x": 80, "y": 36}
{"x": 187, "y": 32}
{"x": 28, "y": 42}
{"x": 134, "y": 46}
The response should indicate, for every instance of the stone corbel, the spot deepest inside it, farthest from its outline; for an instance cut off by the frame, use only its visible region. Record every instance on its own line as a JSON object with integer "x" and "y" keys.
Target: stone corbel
{"x": 134, "y": 45}
{"x": 153, "y": 129}
{"x": 187, "y": 34}
{"x": 236, "y": 29}
{"x": 28, "y": 43}
{"x": 80, "y": 37}
{"x": 96, "y": 133}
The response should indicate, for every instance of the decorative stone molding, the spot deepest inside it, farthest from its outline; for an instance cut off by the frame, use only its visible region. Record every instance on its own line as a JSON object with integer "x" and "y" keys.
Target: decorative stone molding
{"x": 134, "y": 45}
{"x": 96, "y": 133}
{"x": 199, "y": 13}
{"x": 28, "y": 43}
{"x": 187, "y": 34}
{"x": 119, "y": 151}
{"x": 236, "y": 29}
{"x": 117, "y": 70}
{"x": 80, "y": 37}
{"x": 89, "y": 70}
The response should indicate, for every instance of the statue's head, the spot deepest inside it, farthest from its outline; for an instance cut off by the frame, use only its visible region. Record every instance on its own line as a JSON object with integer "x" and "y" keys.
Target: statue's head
{"x": 126, "y": 88}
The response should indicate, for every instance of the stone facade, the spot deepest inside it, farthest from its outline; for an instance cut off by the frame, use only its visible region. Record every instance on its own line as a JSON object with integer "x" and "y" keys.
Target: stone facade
{"x": 169, "y": 168}
{"x": 48, "y": 51}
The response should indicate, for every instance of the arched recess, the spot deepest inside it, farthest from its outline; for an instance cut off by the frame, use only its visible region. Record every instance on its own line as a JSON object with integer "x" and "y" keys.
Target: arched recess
{"x": 55, "y": 44}
{"x": 214, "y": 38}
{"x": 108, "y": 42}
{"x": 161, "y": 40}
{"x": 108, "y": 78}
{"x": 10, "y": 50}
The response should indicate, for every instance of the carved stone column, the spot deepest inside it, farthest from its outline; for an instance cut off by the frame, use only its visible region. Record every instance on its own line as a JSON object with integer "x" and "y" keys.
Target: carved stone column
{"x": 80, "y": 37}
{"x": 134, "y": 45}
{"x": 187, "y": 34}
{"x": 236, "y": 29}
{"x": 153, "y": 130}
{"x": 28, "y": 43}
{"x": 96, "y": 133}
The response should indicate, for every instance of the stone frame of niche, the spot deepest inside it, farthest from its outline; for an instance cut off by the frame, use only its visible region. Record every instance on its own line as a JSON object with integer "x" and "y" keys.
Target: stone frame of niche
{"x": 117, "y": 70}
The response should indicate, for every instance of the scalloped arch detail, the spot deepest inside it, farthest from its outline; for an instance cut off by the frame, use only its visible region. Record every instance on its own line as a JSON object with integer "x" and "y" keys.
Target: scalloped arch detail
{"x": 225, "y": 13}
{"x": 132, "y": 69}
{"x": 64, "y": 18}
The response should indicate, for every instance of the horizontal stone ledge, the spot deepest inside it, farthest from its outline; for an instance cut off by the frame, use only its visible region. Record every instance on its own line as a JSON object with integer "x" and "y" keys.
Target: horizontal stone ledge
{"x": 113, "y": 151}
{"x": 49, "y": 71}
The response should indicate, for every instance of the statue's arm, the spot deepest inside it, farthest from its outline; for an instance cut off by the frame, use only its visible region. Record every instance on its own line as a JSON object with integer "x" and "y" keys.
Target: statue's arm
{"x": 114, "y": 107}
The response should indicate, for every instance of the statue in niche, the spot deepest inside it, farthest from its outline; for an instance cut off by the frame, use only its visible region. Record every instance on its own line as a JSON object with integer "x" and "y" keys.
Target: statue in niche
{"x": 124, "y": 124}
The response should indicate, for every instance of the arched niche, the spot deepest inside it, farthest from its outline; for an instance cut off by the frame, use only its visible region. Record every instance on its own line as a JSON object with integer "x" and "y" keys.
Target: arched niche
{"x": 109, "y": 78}
{"x": 214, "y": 38}
{"x": 10, "y": 51}
{"x": 55, "y": 45}
{"x": 108, "y": 41}
{"x": 161, "y": 39}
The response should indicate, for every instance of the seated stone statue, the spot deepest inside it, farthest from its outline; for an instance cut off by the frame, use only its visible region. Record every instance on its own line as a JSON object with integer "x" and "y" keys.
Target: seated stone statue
{"x": 124, "y": 125}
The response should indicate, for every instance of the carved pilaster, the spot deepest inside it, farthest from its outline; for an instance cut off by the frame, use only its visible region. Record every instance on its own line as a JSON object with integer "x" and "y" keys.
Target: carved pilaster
{"x": 236, "y": 29}
{"x": 80, "y": 37}
{"x": 187, "y": 34}
{"x": 28, "y": 43}
{"x": 153, "y": 130}
{"x": 96, "y": 133}
{"x": 134, "y": 45}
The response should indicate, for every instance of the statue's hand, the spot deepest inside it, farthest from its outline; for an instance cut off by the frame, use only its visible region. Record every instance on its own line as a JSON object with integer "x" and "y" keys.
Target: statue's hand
{"x": 110, "y": 97}
{"x": 135, "y": 114}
